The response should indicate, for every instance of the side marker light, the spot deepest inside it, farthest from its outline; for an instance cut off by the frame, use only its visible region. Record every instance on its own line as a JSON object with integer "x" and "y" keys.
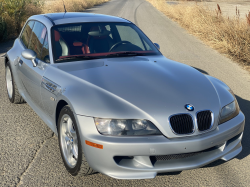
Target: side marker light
{"x": 94, "y": 144}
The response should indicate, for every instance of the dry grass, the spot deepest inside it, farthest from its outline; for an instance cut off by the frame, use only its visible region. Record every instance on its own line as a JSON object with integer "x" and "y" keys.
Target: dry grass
{"x": 228, "y": 36}
{"x": 71, "y": 5}
{"x": 14, "y": 13}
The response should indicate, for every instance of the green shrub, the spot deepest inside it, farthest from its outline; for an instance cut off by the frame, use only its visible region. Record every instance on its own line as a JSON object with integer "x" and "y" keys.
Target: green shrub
{"x": 13, "y": 14}
{"x": 3, "y": 29}
{"x": 16, "y": 10}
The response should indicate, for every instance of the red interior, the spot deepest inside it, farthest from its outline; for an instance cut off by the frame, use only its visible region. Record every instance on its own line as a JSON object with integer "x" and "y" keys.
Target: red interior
{"x": 104, "y": 54}
{"x": 77, "y": 44}
{"x": 57, "y": 36}
{"x": 85, "y": 49}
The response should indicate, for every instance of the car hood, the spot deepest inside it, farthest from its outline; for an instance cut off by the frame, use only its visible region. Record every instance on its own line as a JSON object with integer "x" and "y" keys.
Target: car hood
{"x": 155, "y": 86}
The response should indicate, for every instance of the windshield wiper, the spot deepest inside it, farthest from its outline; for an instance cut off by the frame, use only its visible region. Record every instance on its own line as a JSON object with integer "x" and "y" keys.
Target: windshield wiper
{"x": 127, "y": 54}
{"x": 78, "y": 57}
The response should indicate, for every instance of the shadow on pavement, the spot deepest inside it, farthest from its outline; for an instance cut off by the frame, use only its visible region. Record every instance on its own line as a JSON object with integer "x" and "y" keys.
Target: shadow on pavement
{"x": 245, "y": 108}
{"x": 170, "y": 173}
{"x": 5, "y": 46}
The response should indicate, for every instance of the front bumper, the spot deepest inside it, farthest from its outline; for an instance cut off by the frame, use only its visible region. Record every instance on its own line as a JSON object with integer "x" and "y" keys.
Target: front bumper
{"x": 129, "y": 157}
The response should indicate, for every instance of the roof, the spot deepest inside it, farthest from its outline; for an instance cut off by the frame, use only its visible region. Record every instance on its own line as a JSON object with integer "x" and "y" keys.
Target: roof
{"x": 60, "y": 18}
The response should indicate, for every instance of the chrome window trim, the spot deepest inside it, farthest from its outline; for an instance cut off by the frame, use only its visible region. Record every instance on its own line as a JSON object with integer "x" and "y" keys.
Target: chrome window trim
{"x": 194, "y": 127}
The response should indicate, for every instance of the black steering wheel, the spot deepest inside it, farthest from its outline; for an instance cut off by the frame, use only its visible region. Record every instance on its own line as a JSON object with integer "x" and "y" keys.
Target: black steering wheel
{"x": 118, "y": 44}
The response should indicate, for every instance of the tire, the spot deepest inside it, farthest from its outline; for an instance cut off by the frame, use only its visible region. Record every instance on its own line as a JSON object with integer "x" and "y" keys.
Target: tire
{"x": 69, "y": 139}
{"x": 12, "y": 91}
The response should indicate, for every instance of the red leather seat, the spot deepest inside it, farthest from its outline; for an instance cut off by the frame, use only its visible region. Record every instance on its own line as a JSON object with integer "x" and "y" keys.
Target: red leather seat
{"x": 80, "y": 47}
{"x": 61, "y": 47}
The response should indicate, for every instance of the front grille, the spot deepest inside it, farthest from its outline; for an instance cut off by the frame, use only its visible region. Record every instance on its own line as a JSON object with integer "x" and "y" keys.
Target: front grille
{"x": 181, "y": 156}
{"x": 204, "y": 120}
{"x": 182, "y": 124}
{"x": 176, "y": 156}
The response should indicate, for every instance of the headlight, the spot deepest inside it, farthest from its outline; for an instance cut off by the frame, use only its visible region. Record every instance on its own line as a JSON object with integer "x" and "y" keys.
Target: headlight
{"x": 120, "y": 127}
{"x": 229, "y": 111}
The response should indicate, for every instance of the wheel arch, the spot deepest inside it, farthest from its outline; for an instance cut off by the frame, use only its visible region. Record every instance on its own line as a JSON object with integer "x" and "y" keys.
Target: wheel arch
{"x": 60, "y": 105}
{"x": 6, "y": 59}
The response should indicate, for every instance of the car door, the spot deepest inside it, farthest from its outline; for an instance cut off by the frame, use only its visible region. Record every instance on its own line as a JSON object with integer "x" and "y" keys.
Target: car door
{"x": 31, "y": 76}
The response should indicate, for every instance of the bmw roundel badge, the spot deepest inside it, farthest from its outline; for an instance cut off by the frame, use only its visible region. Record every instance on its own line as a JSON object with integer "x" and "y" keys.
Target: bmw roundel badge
{"x": 189, "y": 107}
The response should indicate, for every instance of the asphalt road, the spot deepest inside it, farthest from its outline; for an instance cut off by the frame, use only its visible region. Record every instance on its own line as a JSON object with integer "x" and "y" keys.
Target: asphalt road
{"x": 29, "y": 152}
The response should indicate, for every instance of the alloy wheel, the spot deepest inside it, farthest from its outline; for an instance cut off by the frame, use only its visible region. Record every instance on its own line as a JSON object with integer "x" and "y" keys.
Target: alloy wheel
{"x": 9, "y": 82}
{"x": 69, "y": 142}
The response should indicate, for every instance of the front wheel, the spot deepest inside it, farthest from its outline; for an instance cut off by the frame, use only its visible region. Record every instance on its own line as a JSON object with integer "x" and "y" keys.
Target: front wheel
{"x": 70, "y": 144}
{"x": 12, "y": 91}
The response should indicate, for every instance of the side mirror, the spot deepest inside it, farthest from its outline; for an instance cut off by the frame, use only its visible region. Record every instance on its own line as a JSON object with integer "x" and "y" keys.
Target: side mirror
{"x": 157, "y": 45}
{"x": 30, "y": 55}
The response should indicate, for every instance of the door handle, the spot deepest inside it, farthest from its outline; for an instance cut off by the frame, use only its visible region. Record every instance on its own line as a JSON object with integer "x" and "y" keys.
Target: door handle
{"x": 20, "y": 62}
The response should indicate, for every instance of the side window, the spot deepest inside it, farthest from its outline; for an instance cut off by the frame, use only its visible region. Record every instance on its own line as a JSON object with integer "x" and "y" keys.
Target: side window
{"x": 129, "y": 34}
{"x": 147, "y": 46}
{"x": 25, "y": 37}
{"x": 45, "y": 51}
{"x": 37, "y": 38}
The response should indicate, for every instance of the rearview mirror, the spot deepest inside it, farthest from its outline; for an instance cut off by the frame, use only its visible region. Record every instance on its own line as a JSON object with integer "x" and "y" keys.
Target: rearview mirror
{"x": 157, "y": 45}
{"x": 30, "y": 55}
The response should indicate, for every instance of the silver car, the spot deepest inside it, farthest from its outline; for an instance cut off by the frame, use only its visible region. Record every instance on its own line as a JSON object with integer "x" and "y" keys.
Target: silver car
{"x": 119, "y": 106}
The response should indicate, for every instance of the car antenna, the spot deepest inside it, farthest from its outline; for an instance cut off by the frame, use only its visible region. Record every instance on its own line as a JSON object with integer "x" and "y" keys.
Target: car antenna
{"x": 64, "y": 6}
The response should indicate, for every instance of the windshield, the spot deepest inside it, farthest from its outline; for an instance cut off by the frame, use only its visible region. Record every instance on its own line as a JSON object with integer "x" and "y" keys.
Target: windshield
{"x": 85, "y": 41}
